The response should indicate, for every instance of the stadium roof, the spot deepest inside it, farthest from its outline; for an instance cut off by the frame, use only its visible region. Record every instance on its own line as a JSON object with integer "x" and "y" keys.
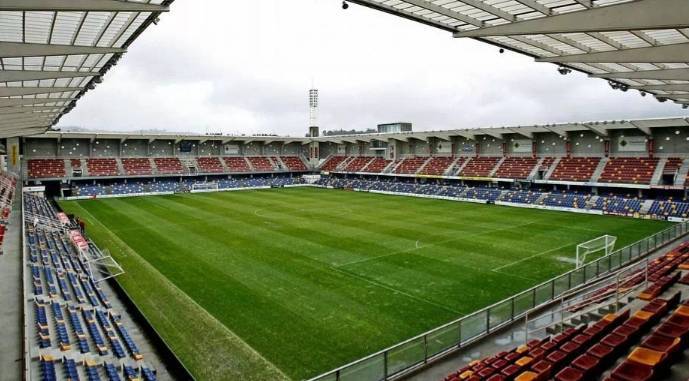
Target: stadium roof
{"x": 638, "y": 44}
{"x": 600, "y": 128}
{"x": 53, "y": 51}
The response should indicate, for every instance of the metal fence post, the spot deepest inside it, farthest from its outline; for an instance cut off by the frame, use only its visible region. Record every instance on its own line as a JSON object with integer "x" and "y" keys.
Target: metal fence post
{"x": 425, "y": 349}
{"x": 385, "y": 365}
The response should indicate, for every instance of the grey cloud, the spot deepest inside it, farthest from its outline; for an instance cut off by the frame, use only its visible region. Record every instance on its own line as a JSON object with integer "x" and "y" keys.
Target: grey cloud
{"x": 245, "y": 66}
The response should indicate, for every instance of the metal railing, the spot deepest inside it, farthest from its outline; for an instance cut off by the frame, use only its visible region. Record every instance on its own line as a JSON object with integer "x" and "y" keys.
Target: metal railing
{"x": 400, "y": 359}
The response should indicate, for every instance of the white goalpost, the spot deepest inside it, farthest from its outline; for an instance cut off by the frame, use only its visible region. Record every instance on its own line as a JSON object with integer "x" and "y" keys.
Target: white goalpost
{"x": 604, "y": 244}
{"x": 205, "y": 187}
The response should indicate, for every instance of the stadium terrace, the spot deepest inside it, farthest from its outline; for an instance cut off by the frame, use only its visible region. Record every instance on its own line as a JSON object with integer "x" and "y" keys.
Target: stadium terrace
{"x": 522, "y": 253}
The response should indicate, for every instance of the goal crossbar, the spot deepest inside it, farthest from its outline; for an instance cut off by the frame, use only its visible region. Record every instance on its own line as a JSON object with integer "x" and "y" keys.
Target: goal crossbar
{"x": 604, "y": 243}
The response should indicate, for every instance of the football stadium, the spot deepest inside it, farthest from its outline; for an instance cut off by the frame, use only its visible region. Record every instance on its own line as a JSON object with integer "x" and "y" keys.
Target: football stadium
{"x": 547, "y": 251}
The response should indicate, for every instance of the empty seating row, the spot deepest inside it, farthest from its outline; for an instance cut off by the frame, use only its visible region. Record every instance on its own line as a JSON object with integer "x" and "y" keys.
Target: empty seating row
{"x": 586, "y": 352}
{"x": 439, "y": 165}
{"x": 332, "y": 163}
{"x": 168, "y": 165}
{"x": 480, "y": 167}
{"x": 410, "y": 165}
{"x": 133, "y": 167}
{"x": 261, "y": 164}
{"x": 210, "y": 165}
{"x": 575, "y": 169}
{"x": 516, "y": 167}
{"x": 73, "y": 370}
{"x": 614, "y": 204}
{"x": 629, "y": 170}
{"x": 46, "y": 168}
{"x": 294, "y": 163}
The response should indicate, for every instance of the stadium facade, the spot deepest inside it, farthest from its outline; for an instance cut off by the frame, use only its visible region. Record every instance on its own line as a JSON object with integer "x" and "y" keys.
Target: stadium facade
{"x": 622, "y": 315}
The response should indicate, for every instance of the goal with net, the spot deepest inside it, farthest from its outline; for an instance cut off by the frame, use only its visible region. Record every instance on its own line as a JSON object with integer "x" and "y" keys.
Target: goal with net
{"x": 595, "y": 248}
{"x": 205, "y": 187}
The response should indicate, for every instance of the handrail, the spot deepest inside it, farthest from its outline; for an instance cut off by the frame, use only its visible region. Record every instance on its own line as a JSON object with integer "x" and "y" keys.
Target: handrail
{"x": 410, "y": 354}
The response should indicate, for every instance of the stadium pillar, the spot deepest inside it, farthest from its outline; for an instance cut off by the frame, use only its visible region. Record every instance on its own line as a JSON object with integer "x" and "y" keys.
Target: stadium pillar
{"x": 606, "y": 145}
{"x": 13, "y": 156}
{"x": 568, "y": 148}
{"x": 650, "y": 146}
{"x": 314, "y": 153}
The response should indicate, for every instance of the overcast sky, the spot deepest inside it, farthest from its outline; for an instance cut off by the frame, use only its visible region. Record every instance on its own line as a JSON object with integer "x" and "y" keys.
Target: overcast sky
{"x": 245, "y": 66}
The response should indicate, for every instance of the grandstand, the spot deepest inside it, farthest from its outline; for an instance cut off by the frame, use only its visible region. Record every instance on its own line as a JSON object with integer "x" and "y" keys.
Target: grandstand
{"x": 412, "y": 255}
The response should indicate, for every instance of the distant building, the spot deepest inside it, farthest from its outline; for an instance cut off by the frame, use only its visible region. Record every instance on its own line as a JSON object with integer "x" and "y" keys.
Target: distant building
{"x": 391, "y": 128}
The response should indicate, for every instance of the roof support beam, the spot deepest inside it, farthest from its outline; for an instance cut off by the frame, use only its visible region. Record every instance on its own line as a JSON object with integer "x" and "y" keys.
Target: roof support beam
{"x": 79, "y": 6}
{"x": 17, "y": 91}
{"x": 482, "y": 5}
{"x": 521, "y": 132}
{"x": 683, "y": 87}
{"x": 14, "y": 118}
{"x": 6, "y": 102}
{"x": 445, "y": 12}
{"x": 665, "y": 75}
{"x": 645, "y": 130}
{"x": 20, "y": 125}
{"x": 675, "y": 53}
{"x": 16, "y": 49}
{"x": 635, "y": 15}
{"x": 28, "y": 75}
{"x": 24, "y": 131}
{"x": 597, "y": 129}
{"x": 537, "y": 6}
{"x": 27, "y": 110}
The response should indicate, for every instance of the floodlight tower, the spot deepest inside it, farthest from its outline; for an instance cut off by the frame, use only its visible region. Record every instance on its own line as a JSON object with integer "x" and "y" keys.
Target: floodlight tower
{"x": 313, "y": 126}
{"x": 313, "y": 113}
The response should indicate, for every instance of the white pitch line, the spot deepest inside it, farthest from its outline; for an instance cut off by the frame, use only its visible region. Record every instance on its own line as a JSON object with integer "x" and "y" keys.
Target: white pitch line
{"x": 358, "y": 261}
{"x": 531, "y": 257}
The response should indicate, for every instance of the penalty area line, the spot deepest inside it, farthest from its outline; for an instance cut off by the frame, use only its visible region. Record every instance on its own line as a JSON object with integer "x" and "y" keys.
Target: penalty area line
{"x": 530, "y": 257}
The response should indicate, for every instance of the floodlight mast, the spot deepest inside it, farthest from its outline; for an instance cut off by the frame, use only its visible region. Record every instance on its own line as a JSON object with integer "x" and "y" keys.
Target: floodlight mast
{"x": 313, "y": 108}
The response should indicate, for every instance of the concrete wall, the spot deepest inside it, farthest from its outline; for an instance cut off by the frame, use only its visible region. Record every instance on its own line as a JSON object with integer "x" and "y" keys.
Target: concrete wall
{"x": 135, "y": 148}
{"x": 105, "y": 148}
{"x": 162, "y": 148}
{"x": 490, "y": 146}
{"x": 671, "y": 141}
{"x": 585, "y": 143}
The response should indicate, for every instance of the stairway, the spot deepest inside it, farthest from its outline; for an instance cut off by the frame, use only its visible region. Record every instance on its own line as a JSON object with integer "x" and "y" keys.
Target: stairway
{"x": 591, "y": 202}
{"x": 68, "y": 168}
{"x": 646, "y": 206}
{"x": 658, "y": 172}
{"x": 497, "y": 166}
{"x": 225, "y": 169}
{"x": 451, "y": 168}
{"x": 461, "y": 168}
{"x": 120, "y": 167}
{"x": 278, "y": 163}
{"x": 541, "y": 199}
{"x": 189, "y": 164}
{"x": 552, "y": 168}
{"x": 390, "y": 167}
{"x": 425, "y": 163}
{"x": 344, "y": 163}
{"x": 681, "y": 176}
{"x": 534, "y": 171}
{"x": 599, "y": 170}
{"x": 248, "y": 164}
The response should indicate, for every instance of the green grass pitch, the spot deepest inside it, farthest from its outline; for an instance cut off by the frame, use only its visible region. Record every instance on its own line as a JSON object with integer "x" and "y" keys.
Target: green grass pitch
{"x": 286, "y": 284}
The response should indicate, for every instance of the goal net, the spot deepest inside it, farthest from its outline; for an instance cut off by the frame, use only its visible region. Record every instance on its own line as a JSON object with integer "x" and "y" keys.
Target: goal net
{"x": 595, "y": 248}
{"x": 207, "y": 186}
